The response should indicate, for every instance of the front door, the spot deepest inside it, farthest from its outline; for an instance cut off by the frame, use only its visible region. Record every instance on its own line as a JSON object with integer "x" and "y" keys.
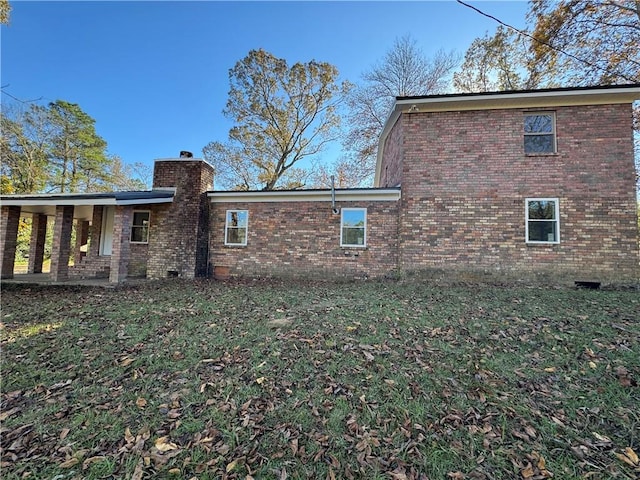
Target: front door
{"x": 106, "y": 237}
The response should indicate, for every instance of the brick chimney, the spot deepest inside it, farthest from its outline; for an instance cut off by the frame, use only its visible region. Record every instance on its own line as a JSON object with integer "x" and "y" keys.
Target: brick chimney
{"x": 178, "y": 243}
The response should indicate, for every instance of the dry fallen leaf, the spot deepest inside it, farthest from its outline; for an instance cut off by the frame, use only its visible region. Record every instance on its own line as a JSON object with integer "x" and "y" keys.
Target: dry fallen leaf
{"x": 125, "y": 361}
{"x": 164, "y": 445}
{"x": 137, "y": 473}
{"x": 602, "y": 438}
{"x": 629, "y": 457}
{"x": 527, "y": 472}
{"x": 91, "y": 460}
{"x": 141, "y": 402}
{"x": 8, "y": 413}
{"x": 231, "y": 466}
{"x": 632, "y": 455}
{"x": 70, "y": 463}
{"x": 542, "y": 463}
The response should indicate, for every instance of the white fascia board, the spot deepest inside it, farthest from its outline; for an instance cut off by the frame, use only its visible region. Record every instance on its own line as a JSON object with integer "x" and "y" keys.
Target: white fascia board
{"x": 142, "y": 201}
{"x": 382, "y": 195}
{"x": 48, "y": 201}
{"x": 17, "y": 202}
{"x": 532, "y": 99}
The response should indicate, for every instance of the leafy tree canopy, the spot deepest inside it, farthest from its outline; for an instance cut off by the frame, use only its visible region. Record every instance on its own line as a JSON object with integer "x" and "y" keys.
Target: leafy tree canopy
{"x": 55, "y": 148}
{"x": 282, "y": 114}
{"x": 566, "y": 43}
{"x": 5, "y": 10}
{"x": 586, "y": 42}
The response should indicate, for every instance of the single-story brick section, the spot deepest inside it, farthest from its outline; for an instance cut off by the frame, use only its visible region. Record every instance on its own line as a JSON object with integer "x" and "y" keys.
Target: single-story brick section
{"x": 538, "y": 181}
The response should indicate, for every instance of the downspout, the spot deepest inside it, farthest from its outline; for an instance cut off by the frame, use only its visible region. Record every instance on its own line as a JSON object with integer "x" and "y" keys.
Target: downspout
{"x": 333, "y": 195}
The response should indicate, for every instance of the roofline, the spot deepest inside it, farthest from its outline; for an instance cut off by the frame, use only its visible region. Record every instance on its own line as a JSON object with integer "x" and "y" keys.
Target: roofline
{"x": 341, "y": 195}
{"x": 539, "y": 91}
{"x": 549, "y": 97}
{"x": 79, "y": 202}
{"x": 82, "y": 199}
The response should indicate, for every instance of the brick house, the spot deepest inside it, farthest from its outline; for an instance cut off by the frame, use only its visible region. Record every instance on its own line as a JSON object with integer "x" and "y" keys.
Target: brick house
{"x": 527, "y": 182}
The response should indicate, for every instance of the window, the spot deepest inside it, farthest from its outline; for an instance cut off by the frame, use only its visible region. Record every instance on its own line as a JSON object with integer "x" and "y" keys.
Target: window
{"x": 543, "y": 224}
{"x": 539, "y": 133}
{"x": 235, "y": 228}
{"x": 140, "y": 227}
{"x": 353, "y": 227}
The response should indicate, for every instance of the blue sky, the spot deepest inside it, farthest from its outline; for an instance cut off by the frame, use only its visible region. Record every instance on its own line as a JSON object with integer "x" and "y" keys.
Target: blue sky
{"x": 154, "y": 74}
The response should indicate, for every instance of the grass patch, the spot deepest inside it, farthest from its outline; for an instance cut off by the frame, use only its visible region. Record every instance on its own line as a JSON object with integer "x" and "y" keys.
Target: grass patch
{"x": 182, "y": 379}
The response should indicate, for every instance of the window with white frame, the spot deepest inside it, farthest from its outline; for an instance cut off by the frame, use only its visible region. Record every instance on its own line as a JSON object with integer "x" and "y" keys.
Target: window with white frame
{"x": 236, "y": 227}
{"x": 140, "y": 227}
{"x": 543, "y": 220}
{"x": 540, "y": 132}
{"x": 353, "y": 227}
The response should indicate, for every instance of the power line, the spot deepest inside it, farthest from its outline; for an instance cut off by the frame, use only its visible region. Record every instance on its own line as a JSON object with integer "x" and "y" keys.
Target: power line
{"x": 2, "y": 89}
{"x": 559, "y": 50}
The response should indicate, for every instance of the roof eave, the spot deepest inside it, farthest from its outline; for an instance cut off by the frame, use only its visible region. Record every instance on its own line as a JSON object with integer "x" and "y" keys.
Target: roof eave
{"x": 46, "y": 200}
{"x": 272, "y": 196}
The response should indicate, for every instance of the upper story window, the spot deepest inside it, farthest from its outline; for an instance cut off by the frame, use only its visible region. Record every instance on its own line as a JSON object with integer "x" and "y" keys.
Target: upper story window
{"x": 236, "y": 227}
{"x": 542, "y": 224}
{"x": 540, "y": 132}
{"x": 140, "y": 227}
{"x": 353, "y": 227}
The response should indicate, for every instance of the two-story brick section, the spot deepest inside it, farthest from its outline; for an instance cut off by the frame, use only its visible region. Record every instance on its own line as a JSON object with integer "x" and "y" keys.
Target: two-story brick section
{"x": 524, "y": 182}
{"x": 527, "y": 181}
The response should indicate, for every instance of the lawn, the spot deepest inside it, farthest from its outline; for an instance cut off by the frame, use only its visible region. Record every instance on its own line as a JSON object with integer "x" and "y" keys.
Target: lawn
{"x": 273, "y": 380}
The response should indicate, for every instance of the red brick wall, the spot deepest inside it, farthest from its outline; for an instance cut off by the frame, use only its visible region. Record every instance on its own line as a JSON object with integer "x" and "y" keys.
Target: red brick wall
{"x": 37, "y": 242}
{"x": 61, "y": 248}
{"x": 138, "y": 259}
{"x": 120, "y": 254}
{"x": 466, "y": 177}
{"x": 9, "y": 220}
{"x": 302, "y": 239}
{"x": 179, "y": 231}
{"x": 391, "y": 170}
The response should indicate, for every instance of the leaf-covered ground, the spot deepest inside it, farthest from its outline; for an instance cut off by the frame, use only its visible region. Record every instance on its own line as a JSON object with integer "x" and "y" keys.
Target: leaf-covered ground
{"x": 390, "y": 380}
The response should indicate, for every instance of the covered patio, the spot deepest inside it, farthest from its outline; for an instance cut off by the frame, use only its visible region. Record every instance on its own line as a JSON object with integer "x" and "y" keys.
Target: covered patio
{"x": 103, "y": 226}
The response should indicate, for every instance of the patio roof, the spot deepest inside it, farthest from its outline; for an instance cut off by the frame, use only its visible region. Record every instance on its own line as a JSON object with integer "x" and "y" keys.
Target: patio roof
{"x": 84, "y": 202}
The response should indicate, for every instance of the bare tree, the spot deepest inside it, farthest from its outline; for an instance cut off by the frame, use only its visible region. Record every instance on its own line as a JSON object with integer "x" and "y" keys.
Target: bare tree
{"x": 404, "y": 71}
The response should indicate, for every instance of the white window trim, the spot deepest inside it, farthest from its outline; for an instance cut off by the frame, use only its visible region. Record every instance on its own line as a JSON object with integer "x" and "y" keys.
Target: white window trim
{"x": 350, "y": 245}
{"x": 226, "y": 229}
{"x": 553, "y": 131}
{"x": 557, "y": 220}
{"x": 139, "y": 226}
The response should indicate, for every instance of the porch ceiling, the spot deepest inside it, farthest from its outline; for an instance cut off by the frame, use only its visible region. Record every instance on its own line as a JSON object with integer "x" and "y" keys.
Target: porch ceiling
{"x": 80, "y": 212}
{"x": 83, "y": 203}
